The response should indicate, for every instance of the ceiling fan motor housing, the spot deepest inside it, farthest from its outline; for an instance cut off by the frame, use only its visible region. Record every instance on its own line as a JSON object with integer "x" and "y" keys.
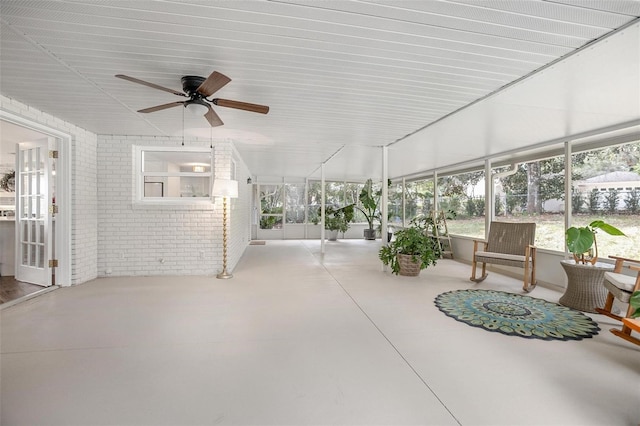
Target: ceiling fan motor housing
{"x": 190, "y": 84}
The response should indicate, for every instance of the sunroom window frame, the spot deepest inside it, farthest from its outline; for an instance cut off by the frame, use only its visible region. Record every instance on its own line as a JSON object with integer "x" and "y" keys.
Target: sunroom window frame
{"x": 140, "y": 175}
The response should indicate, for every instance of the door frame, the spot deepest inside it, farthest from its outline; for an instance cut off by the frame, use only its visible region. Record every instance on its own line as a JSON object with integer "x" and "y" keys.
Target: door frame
{"x": 63, "y": 193}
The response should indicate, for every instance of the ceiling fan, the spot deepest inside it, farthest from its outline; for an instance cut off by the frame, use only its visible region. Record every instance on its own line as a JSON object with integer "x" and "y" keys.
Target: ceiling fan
{"x": 198, "y": 89}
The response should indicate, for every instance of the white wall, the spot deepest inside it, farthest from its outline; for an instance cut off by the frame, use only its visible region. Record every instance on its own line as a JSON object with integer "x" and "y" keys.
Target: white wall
{"x": 84, "y": 219}
{"x": 170, "y": 239}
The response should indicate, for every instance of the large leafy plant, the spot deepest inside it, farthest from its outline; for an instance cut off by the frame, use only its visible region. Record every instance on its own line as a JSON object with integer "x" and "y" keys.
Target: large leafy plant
{"x": 338, "y": 219}
{"x": 370, "y": 202}
{"x": 413, "y": 241}
{"x": 582, "y": 243}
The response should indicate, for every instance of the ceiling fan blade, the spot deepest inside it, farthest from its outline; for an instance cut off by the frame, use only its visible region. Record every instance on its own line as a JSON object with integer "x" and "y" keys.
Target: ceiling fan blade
{"x": 212, "y": 84}
{"x": 161, "y": 107}
{"x": 262, "y": 109}
{"x": 146, "y": 83}
{"x": 213, "y": 118}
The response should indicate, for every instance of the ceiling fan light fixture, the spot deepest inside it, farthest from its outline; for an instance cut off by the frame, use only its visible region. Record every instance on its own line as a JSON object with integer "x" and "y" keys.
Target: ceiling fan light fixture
{"x": 196, "y": 109}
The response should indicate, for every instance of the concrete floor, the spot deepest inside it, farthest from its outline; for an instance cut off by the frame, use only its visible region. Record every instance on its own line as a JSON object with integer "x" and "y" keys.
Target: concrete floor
{"x": 298, "y": 338}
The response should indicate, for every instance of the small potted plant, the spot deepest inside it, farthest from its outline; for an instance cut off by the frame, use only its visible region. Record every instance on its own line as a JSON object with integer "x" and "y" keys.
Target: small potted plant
{"x": 584, "y": 290}
{"x": 581, "y": 241}
{"x": 411, "y": 251}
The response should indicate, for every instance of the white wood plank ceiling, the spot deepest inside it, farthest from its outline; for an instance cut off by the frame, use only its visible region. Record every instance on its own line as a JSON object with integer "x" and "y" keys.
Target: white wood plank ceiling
{"x": 342, "y": 78}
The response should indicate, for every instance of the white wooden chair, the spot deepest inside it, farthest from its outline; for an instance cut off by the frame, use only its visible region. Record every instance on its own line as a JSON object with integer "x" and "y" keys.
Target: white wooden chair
{"x": 621, "y": 286}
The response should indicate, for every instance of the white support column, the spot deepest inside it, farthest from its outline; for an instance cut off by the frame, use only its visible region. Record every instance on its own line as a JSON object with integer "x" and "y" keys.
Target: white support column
{"x": 322, "y": 195}
{"x": 489, "y": 202}
{"x": 384, "y": 204}
{"x": 404, "y": 200}
{"x": 568, "y": 208}
{"x": 435, "y": 191}
{"x": 306, "y": 208}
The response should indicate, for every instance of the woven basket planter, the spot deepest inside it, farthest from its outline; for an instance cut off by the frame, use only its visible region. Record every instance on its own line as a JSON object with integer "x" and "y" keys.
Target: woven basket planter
{"x": 409, "y": 267}
{"x": 585, "y": 291}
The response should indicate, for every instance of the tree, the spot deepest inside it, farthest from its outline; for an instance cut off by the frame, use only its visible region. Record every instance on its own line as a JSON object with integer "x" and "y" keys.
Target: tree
{"x": 632, "y": 201}
{"x": 534, "y": 183}
{"x": 534, "y": 201}
{"x": 611, "y": 200}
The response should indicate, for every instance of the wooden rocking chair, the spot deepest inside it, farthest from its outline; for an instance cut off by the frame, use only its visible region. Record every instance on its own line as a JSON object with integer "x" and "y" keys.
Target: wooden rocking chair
{"x": 509, "y": 244}
{"x": 621, "y": 287}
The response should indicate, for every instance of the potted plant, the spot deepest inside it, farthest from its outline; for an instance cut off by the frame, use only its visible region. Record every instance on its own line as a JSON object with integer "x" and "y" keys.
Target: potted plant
{"x": 581, "y": 241}
{"x": 585, "y": 274}
{"x": 337, "y": 220}
{"x": 411, "y": 251}
{"x": 369, "y": 206}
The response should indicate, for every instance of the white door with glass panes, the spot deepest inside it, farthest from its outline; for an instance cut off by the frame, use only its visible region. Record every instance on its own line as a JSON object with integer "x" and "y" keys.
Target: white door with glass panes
{"x": 34, "y": 212}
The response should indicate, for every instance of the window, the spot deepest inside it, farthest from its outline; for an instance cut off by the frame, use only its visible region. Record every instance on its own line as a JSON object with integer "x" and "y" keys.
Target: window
{"x": 534, "y": 192}
{"x": 418, "y": 198}
{"x": 606, "y": 186}
{"x": 173, "y": 175}
{"x": 463, "y": 196}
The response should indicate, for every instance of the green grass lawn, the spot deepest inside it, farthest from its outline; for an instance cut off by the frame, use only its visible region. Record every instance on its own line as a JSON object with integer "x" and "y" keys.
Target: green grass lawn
{"x": 550, "y": 232}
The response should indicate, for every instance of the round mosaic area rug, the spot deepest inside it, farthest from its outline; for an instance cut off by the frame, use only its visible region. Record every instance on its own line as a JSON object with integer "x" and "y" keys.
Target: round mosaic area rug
{"x": 516, "y": 315}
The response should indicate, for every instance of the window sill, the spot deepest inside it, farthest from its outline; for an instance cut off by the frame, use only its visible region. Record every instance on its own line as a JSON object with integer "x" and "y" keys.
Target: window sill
{"x": 174, "y": 205}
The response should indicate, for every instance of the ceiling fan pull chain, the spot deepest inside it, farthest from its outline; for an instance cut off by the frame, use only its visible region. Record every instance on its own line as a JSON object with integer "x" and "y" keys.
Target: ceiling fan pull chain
{"x": 183, "y": 125}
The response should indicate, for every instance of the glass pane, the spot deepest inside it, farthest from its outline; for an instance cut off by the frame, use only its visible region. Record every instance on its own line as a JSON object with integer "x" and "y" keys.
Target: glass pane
{"x": 295, "y": 203}
{"x": 25, "y": 254}
{"x": 418, "y": 198}
{"x": 462, "y": 199}
{"x": 41, "y": 256}
{"x": 24, "y": 208}
{"x": 190, "y": 186}
{"x": 313, "y": 201}
{"x": 395, "y": 204}
{"x": 40, "y": 238}
{"x": 334, "y": 194}
{"x": 177, "y": 186}
{"x": 38, "y": 160}
{"x": 176, "y": 161}
{"x": 33, "y": 206}
{"x": 535, "y": 193}
{"x": 271, "y": 201}
{"x": 24, "y": 182}
{"x": 270, "y": 222}
{"x": 32, "y": 255}
{"x": 352, "y": 196}
{"x": 606, "y": 186}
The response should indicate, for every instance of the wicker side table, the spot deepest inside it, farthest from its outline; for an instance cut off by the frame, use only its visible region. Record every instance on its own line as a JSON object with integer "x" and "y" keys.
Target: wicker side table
{"x": 584, "y": 290}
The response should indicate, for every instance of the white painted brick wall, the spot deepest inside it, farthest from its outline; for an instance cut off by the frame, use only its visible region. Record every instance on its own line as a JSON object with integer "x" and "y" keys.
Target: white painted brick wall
{"x": 84, "y": 230}
{"x": 108, "y": 233}
{"x": 188, "y": 239}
